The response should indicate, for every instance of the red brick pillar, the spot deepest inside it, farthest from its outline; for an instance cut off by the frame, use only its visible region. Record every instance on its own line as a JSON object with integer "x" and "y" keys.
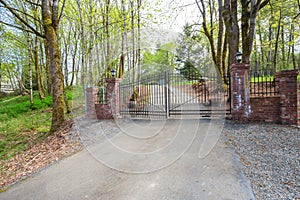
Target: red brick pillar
{"x": 113, "y": 96}
{"x": 287, "y": 86}
{"x": 240, "y": 91}
{"x": 298, "y": 105}
{"x": 91, "y": 100}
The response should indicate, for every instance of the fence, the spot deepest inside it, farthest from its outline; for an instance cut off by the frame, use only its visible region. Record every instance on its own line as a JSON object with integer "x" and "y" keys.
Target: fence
{"x": 263, "y": 83}
{"x": 102, "y": 95}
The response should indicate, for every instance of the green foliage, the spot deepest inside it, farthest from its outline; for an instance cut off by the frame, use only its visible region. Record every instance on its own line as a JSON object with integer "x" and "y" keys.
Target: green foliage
{"x": 189, "y": 71}
{"x": 192, "y": 47}
{"x": 159, "y": 60}
{"x": 277, "y": 26}
{"x": 21, "y": 105}
{"x": 22, "y": 125}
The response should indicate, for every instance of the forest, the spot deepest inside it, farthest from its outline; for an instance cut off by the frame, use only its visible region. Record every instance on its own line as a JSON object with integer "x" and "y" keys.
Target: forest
{"x": 50, "y": 46}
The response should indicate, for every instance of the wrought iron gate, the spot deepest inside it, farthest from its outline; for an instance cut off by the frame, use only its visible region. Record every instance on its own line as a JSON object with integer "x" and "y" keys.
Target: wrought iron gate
{"x": 171, "y": 95}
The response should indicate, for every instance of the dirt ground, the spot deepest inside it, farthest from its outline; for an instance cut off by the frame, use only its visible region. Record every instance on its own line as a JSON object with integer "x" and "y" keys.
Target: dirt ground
{"x": 50, "y": 150}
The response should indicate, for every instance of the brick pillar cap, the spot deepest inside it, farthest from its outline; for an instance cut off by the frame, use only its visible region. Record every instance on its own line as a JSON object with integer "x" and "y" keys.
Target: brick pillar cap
{"x": 287, "y": 73}
{"x": 91, "y": 88}
{"x": 240, "y": 66}
{"x": 113, "y": 80}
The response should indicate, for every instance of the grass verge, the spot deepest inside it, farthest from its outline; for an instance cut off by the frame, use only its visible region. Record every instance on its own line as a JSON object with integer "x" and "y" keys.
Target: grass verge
{"x": 23, "y": 125}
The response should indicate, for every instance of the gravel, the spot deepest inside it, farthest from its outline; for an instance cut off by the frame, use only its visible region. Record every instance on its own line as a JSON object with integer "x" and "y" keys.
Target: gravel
{"x": 270, "y": 155}
{"x": 90, "y": 131}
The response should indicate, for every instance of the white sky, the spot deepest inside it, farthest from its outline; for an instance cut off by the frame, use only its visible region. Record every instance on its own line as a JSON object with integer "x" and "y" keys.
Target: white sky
{"x": 175, "y": 13}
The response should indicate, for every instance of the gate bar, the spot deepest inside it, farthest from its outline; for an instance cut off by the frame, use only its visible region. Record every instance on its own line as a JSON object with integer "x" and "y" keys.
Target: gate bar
{"x": 166, "y": 94}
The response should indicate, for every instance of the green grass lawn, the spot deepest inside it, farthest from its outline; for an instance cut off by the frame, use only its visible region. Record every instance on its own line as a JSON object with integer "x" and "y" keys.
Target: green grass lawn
{"x": 262, "y": 79}
{"x": 22, "y": 125}
{"x": 267, "y": 79}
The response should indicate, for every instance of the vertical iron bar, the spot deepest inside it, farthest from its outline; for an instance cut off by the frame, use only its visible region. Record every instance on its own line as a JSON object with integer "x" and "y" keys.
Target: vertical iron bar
{"x": 166, "y": 94}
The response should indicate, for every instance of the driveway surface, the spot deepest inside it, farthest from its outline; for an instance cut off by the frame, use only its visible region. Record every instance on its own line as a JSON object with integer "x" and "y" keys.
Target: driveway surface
{"x": 166, "y": 159}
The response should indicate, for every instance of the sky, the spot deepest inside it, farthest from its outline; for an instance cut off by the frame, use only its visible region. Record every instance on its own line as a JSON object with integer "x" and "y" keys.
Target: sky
{"x": 174, "y": 14}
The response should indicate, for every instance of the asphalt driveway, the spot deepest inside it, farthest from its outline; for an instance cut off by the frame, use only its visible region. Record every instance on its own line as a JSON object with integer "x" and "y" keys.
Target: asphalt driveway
{"x": 159, "y": 159}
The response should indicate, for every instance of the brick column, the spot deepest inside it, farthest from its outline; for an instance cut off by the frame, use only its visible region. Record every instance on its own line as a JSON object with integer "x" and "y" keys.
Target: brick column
{"x": 91, "y": 100}
{"x": 113, "y": 96}
{"x": 298, "y": 105}
{"x": 287, "y": 86}
{"x": 240, "y": 91}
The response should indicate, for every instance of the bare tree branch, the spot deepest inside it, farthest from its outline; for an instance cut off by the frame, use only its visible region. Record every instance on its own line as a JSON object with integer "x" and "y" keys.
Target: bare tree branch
{"x": 202, "y": 11}
{"x": 299, "y": 10}
{"x": 186, "y": 5}
{"x": 17, "y": 27}
{"x": 33, "y": 3}
{"x": 263, "y": 4}
{"x": 24, "y": 13}
{"x": 21, "y": 19}
{"x": 62, "y": 10}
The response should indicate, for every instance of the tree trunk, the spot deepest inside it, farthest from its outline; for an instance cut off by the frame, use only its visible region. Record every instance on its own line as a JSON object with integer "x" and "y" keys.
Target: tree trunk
{"x": 248, "y": 24}
{"x": 293, "y": 45}
{"x": 0, "y": 76}
{"x": 283, "y": 59}
{"x": 108, "y": 64}
{"x": 133, "y": 41}
{"x": 38, "y": 69}
{"x": 47, "y": 68}
{"x": 30, "y": 69}
{"x": 74, "y": 60}
{"x": 139, "y": 2}
{"x": 276, "y": 42}
{"x": 262, "y": 52}
{"x": 50, "y": 23}
{"x": 66, "y": 56}
{"x": 231, "y": 23}
{"x": 122, "y": 57}
{"x": 83, "y": 45}
{"x": 209, "y": 33}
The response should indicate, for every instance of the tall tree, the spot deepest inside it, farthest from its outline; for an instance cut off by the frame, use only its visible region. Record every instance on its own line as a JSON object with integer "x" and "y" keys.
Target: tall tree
{"x": 50, "y": 21}
{"x": 51, "y": 17}
{"x": 218, "y": 48}
{"x": 249, "y": 13}
{"x": 227, "y": 16}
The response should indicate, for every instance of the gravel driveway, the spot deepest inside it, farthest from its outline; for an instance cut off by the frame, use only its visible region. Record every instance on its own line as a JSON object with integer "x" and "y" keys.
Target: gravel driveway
{"x": 270, "y": 155}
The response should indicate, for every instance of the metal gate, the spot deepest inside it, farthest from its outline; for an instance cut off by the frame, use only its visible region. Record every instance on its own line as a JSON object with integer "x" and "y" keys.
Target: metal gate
{"x": 172, "y": 95}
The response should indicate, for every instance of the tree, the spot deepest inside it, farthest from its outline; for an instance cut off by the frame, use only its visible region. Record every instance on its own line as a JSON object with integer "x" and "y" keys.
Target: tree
{"x": 218, "y": 47}
{"x": 50, "y": 21}
{"x": 227, "y": 16}
{"x": 189, "y": 71}
{"x": 159, "y": 60}
{"x": 275, "y": 46}
{"x": 250, "y": 10}
{"x": 51, "y": 17}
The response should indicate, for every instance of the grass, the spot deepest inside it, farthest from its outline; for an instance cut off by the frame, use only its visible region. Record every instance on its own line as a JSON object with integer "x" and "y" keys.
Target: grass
{"x": 23, "y": 125}
{"x": 267, "y": 79}
{"x": 262, "y": 79}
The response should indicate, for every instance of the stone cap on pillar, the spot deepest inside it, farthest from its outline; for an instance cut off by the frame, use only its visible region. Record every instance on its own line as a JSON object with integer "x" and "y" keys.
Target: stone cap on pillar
{"x": 113, "y": 80}
{"x": 239, "y": 66}
{"x": 287, "y": 73}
